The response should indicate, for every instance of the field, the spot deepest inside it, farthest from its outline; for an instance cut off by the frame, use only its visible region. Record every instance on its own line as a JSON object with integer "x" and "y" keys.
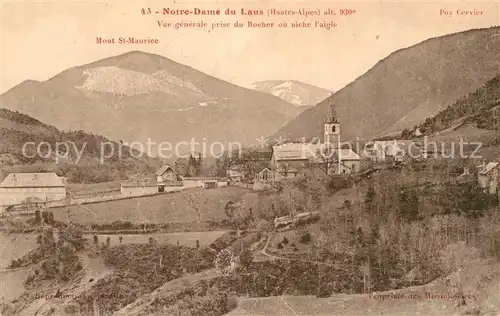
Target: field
{"x": 14, "y": 246}
{"x": 178, "y": 207}
{"x": 94, "y": 188}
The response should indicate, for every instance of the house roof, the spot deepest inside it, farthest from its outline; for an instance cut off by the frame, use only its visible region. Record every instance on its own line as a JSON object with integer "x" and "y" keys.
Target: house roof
{"x": 33, "y": 180}
{"x": 295, "y": 151}
{"x": 163, "y": 169}
{"x": 307, "y": 151}
{"x": 489, "y": 166}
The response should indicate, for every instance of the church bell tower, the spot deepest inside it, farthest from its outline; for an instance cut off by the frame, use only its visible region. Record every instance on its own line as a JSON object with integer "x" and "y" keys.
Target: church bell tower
{"x": 332, "y": 127}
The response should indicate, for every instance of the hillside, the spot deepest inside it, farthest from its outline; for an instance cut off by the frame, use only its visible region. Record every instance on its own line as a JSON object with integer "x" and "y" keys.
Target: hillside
{"x": 407, "y": 87}
{"x": 474, "y": 110}
{"x": 138, "y": 96}
{"x": 79, "y": 160}
{"x": 295, "y": 92}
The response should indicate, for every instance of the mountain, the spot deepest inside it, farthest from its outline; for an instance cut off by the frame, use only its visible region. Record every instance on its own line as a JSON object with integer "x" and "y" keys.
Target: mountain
{"x": 406, "y": 87}
{"x": 296, "y": 92}
{"x": 28, "y": 145}
{"x": 474, "y": 113}
{"x": 139, "y": 96}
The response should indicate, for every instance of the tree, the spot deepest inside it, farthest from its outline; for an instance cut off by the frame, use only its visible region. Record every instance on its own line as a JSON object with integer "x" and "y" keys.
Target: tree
{"x": 249, "y": 161}
{"x": 237, "y": 217}
{"x": 246, "y": 258}
{"x": 406, "y": 134}
{"x": 195, "y": 200}
{"x": 369, "y": 208}
{"x": 194, "y": 166}
{"x": 229, "y": 209}
{"x": 73, "y": 236}
{"x": 221, "y": 166}
{"x": 456, "y": 258}
{"x": 46, "y": 241}
{"x": 328, "y": 159}
{"x": 38, "y": 219}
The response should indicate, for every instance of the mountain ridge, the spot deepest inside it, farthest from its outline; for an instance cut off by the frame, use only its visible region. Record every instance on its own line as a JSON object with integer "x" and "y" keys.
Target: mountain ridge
{"x": 77, "y": 155}
{"x": 400, "y": 83}
{"x": 215, "y": 110}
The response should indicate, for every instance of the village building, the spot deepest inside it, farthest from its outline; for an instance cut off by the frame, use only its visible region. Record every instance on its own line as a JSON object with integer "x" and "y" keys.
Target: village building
{"x": 20, "y": 188}
{"x": 383, "y": 150}
{"x": 204, "y": 182}
{"x": 235, "y": 175}
{"x": 268, "y": 175}
{"x": 166, "y": 176}
{"x": 489, "y": 176}
{"x": 167, "y": 180}
{"x": 140, "y": 188}
{"x": 290, "y": 158}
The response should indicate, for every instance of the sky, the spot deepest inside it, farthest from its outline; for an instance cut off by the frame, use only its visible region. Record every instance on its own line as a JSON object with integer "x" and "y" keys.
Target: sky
{"x": 39, "y": 39}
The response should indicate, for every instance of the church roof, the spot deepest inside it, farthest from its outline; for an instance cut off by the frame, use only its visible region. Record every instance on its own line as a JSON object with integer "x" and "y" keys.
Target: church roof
{"x": 308, "y": 151}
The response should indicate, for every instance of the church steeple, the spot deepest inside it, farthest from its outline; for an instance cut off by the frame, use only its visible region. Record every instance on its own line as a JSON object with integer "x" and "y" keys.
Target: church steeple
{"x": 332, "y": 113}
{"x": 332, "y": 126}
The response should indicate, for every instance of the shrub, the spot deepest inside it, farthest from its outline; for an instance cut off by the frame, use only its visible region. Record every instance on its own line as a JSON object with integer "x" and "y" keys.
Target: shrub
{"x": 285, "y": 241}
{"x": 246, "y": 258}
{"x": 305, "y": 238}
{"x": 347, "y": 203}
{"x": 280, "y": 246}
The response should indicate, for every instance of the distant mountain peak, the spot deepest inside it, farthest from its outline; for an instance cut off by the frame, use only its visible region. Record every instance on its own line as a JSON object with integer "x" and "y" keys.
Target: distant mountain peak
{"x": 296, "y": 92}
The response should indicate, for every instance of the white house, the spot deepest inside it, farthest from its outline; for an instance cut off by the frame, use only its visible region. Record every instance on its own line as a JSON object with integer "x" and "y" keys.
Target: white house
{"x": 167, "y": 177}
{"x": 166, "y": 174}
{"x": 385, "y": 149}
{"x": 204, "y": 182}
{"x": 19, "y": 188}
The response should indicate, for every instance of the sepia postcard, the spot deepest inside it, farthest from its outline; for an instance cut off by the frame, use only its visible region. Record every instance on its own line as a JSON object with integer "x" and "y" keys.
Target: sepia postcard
{"x": 249, "y": 158}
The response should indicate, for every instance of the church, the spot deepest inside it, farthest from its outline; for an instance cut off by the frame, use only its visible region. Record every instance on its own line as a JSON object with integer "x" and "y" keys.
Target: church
{"x": 288, "y": 159}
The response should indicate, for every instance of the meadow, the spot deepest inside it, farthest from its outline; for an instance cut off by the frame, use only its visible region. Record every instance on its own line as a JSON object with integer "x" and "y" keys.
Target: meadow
{"x": 178, "y": 207}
